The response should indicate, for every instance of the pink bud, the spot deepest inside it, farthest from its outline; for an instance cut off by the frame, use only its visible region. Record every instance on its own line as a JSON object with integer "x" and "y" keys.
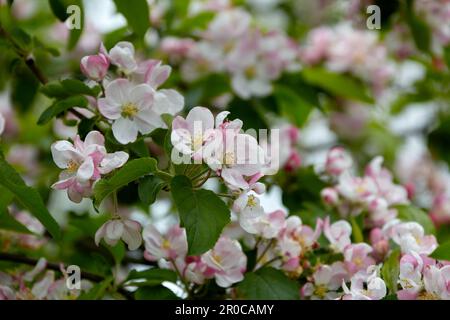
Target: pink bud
{"x": 95, "y": 67}
{"x": 330, "y": 196}
{"x": 294, "y": 161}
{"x": 338, "y": 161}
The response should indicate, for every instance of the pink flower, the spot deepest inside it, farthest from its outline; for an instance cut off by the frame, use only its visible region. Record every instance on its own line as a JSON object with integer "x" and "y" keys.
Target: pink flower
{"x": 410, "y": 236}
{"x": 265, "y": 225}
{"x": 365, "y": 285}
{"x": 330, "y": 196}
{"x": 84, "y": 163}
{"x": 95, "y": 67}
{"x": 379, "y": 242}
{"x": 176, "y": 47}
{"x": 190, "y": 135}
{"x": 170, "y": 246}
{"x": 317, "y": 45}
{"x": 338, "y": 234}
{"x": 410, "y": 277}
{"x": 437, "y": 282}
{"x": 114, "y": 230}
{"x": 327, "y": 279}
{"x": 356, "y": 257}
{"x": 131, "y": 109}
{"x": 227, "y": 260}
{"x": 122, "y": 56}
{"x": 338, "y": 161}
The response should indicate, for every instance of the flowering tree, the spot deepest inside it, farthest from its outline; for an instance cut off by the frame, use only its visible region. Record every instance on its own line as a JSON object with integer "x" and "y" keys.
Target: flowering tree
{"x": 225, "y": 149}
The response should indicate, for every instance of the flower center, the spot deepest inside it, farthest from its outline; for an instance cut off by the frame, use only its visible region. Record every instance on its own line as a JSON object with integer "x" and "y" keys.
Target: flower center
{"x": 166, "y": 244}
{"x": 320, "y": 291}
{"x": 358, "y": 261}
{"x": 251, "y": 202}
{"x": 197, "y": 142}
{"x": 229, "y": 158}
{"x": 72, "y": 166}
{"x": 250, "y": 72}
{"x": 129, "y": 110}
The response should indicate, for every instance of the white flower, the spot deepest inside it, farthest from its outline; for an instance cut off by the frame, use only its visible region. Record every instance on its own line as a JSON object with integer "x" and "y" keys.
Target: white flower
{"x": 365, "y": 285}
{"x": 114, "y": 230}
{"x": 2, "y": 124}
{"x": 122, "y": 55}
{"x": 410, "y": 236}
{"x": 131, "y": 108}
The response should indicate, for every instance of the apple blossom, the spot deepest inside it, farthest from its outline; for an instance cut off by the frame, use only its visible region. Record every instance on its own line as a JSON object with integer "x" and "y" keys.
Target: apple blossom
{"x": 410, "y": 277}
{"x": 120, "y": 228}
{"x": 410, "y": 236}
{"x": 227, "y": 260}
{"x": 169, "y": 246}
{"x": 122, "y": 56}
{"x": 356, "y": 257}
{"x": 326, "y": 281}
{"x": 267, "y": 225}
{"x": 338, "y": 234}
{"x": 95, "y": 67}
{"x": 437, "y": 282}
{"x": 131, "y": 109}
{"x": 84, "y": 163}
{"x": 365, "y": 285}
{"x": 338, "y": 161}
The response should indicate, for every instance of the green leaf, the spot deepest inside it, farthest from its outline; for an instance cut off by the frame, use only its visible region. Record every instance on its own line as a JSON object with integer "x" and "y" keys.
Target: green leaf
{"x": 419, "y": 29}
{"x": 337, "y": 84}
{"x": 412, "y": 213}
{"x": 198, "y": 22}
{"x": 76, "y": 87}
{"x": 61, "y": 106}
{"x": 148, "y": 189}
{"x": 97, "y": 291}
{"x": 442, "y": 252}
{"x": 27, "y": 197}
{"x": 292, "y": 106}
{"x": 447, "y": 55}
{"x": 136, "y": 14}
{"x": 59, "y": 10}
{"x": 54, "y": 89}
{"x": 202, "y": 213}
{"x": 438, "y": 140}
{"x": 155, "y": 293}
{"x": 130, "y": 172}
{"x": 151, "y": 277}
{"x": 391, "y": 270}
{"x": 7, "y": 222}
{"x": 268, "y": 284}
{"x": 356, "y": 230}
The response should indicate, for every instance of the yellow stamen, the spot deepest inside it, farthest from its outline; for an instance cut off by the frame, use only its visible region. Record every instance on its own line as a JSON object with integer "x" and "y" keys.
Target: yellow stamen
{"x": 129, "y": 110}
{"x": 229, "y": 158}
{"x": 72, "y": 166}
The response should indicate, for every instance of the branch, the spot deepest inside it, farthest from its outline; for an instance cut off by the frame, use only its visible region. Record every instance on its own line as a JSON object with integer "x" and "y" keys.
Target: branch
{"x": 27, "y": 58}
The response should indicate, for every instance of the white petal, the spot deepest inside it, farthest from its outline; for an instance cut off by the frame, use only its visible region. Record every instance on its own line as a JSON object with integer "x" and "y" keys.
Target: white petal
{"x": 168, "y": 101}
{"x": 125, "y": 130}
{"x": 143, "y": 96}
{"x": 112, "y": 161}
{"x": 86, "y": 170}
{"x": 147, "y": 121}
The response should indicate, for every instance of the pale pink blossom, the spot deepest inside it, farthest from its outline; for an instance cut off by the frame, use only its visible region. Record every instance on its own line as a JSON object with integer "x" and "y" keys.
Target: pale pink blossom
{"x": 95, "y": 67}
{"x": 357, "y": 257}
{"x": 338, "y": 161}
{"x": 326, "y": 281}
{"x": 410, "y": 236}
{"x": 437, "y": 282}
{"x": 266, "y": 225}
{"x": 2, "y": 124}
{"x": 365, "y": 285}
{"x": 330, "y": 196}
{"x": 227, "y": 260}
{"x": 338, "y": 234}
{"x": 84, "y": 162}
{"x": 114, "y": 230}
{"x": 410, "y": 277}
{"x": 170, "y": 246}
{"x": 122, "y": 56}
{"x": 131, "y": 109}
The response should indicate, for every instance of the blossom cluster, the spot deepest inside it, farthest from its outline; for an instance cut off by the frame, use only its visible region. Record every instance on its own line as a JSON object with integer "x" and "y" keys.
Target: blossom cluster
{"x": 374, "y": 193}
{"x": 226, "y": 262}
{"x": 344, "y": 49}
{"x": 38, "y": 284}
{"x": 232, "y": 44}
